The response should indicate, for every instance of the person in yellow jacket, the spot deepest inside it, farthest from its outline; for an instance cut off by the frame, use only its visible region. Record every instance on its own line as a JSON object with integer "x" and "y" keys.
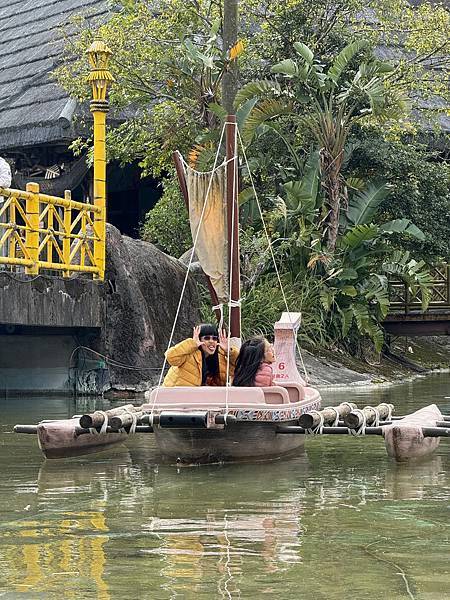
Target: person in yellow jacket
{"x": 201, "y": 359}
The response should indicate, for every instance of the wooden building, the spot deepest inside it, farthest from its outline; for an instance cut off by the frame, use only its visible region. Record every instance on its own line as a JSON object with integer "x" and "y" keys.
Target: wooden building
{"x": 38, "y": 120}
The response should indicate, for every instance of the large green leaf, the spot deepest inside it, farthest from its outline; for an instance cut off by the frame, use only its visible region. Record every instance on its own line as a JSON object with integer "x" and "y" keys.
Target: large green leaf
{"x": 305, "y": 52}
{"x": 243, "y": 112}
{"x": 363, "y": 205}
{"x": 359, "y": 234}
{"x": 343, "y": 59}
{"x": 245, "y": 195}
{"x": 403, "y": 226}
{"x": 286, "y": 67}
{"x": 265, "y": 110}
{"x": 302, "y": 194}
{"x": 375, "y": 288}
{"x": 257, "y": 89}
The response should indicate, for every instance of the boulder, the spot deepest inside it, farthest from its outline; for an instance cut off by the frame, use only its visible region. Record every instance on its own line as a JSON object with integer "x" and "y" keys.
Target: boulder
{"x": 142, "y": 291}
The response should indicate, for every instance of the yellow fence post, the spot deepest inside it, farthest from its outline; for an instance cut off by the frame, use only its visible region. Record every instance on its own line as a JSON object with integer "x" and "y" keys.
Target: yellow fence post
{"x": 32, "y": 227}
{"x": 99, "y": 78}
{"x": 67, "y": 219}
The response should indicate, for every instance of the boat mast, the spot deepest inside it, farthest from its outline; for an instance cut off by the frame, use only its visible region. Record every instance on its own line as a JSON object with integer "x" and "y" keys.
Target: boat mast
{"x": 229, "y": 87}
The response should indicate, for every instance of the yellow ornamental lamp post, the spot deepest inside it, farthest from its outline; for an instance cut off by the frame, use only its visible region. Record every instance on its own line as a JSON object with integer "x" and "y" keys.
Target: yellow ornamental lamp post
{"x": 99, "y": 78}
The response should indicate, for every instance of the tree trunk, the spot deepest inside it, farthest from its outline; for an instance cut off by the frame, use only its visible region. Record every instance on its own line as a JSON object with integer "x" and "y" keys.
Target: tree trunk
{"x": 230, "y": 31}
{"x": 334, "y": 189}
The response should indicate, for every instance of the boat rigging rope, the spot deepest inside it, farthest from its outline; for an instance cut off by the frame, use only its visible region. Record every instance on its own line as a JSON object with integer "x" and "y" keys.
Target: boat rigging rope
{"x": 104, "y": 426}
{"x": 319, "y": 427}
{"x": 133, "y": 422}
{"x": 271, "y": 252}
{"x": 335, "y": 423}
{"x": 191, "y": 258}
{"x": 389, "y": 407}
{"x": 361, "y": 430}
{"x": 377, "y": 415}
{"x": 231, "y": 302}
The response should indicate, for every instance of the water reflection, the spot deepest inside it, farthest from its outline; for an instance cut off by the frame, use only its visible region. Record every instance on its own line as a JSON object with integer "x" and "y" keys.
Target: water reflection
{"x": 412, "y": 481}
{"x": 122, "y": 524}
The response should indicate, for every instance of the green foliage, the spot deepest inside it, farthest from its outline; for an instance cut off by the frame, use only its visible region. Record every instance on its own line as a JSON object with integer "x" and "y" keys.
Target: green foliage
{"x": 419, "y": 189}
{"x": 167, "y": 224}
{"x": 329, "y": 95}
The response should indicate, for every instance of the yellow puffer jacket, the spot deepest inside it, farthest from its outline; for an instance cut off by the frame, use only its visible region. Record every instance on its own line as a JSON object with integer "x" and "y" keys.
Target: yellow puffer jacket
{"x": 185, "y": 360}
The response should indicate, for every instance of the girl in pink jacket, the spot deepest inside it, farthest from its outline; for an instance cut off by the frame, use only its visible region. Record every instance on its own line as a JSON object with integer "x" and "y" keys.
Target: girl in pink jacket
{"x": 253, "y": 366}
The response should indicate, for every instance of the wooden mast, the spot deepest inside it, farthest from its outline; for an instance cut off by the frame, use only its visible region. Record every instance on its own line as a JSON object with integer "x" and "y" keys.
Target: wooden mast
{"x": 233, "y": 224}
{"x": 229, "y": 86}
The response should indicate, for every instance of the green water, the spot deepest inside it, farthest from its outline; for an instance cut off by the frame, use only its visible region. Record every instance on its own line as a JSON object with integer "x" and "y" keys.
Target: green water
{"x": 339, "y": 521}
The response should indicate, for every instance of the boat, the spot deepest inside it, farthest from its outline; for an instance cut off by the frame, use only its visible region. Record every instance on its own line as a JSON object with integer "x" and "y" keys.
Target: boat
{"x": 211, "y": 424}
{"x": 194, "y": 425}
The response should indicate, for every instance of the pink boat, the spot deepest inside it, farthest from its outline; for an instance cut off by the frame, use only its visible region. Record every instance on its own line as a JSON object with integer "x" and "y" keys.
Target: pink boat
{"x": 210, "y": 424}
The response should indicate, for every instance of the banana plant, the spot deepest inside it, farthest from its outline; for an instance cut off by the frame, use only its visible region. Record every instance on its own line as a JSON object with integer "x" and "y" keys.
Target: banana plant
{"x": 329, "y": 101}
{"x": 356, "y": 285}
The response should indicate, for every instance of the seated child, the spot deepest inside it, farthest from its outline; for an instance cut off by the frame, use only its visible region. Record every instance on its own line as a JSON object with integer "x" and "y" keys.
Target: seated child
{"x": 253, "y": 363}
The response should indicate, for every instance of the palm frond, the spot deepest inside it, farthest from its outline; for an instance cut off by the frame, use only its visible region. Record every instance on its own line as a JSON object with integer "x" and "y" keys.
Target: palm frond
{"x": 264, "y": 111}
{"x": 257, "y": 89}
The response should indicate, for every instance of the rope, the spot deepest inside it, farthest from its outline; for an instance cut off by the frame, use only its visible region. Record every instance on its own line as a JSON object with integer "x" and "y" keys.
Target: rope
{"x": 377, "y": 415}
{"x": 214, "y": 169}
{"x": 389, "y": 407}
{"x": 104, "y": 426}
{"x": 231, "y": 303}
{"x": 319, "y": 427}
{"x": 271, "y": 253}
{"x": 133, "y": 422}
{"x": 219, "y": 307}
{"x": 187, "y": 271}
{"x": 361, "y": 430}
{"x": 111, "y": 361}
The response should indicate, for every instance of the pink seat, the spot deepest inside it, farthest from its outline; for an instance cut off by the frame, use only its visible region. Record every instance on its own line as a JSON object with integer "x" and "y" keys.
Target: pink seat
{"x": 295, "y": 390}
{"x": 187, "y": 397}
{"x": 275, "y": 394}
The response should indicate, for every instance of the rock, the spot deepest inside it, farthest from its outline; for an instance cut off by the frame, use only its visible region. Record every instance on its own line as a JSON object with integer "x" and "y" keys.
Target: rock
{"x": 142, "y": 290}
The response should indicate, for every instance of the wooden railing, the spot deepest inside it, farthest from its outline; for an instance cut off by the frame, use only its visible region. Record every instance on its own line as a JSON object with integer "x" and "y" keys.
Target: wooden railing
{"x": 403, "y": 301}
{"x": 40, "y": 233}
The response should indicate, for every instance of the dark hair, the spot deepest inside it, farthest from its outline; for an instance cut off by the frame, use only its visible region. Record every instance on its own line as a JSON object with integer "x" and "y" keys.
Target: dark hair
{"x": 251, "y": 355}
{"x": 212, "y": 361}
{"x": 208, "y": 329}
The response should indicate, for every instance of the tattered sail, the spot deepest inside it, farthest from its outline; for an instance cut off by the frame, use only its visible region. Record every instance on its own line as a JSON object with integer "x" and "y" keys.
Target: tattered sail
{"x": 211, "y": 246}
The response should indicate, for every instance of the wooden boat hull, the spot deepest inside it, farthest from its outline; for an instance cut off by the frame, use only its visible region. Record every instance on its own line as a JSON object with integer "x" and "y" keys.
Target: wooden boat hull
{"x": 404, "y": 439}
{"x": 57, "y": 439}
{"x": 240, "y": 441}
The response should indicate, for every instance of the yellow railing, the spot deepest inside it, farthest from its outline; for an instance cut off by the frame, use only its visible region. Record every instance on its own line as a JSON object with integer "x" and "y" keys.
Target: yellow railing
{"x": 41, "y": 232}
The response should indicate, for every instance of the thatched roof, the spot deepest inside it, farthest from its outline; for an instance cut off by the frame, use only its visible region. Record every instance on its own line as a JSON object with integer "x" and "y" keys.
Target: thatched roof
{"x": 34, "y": 109}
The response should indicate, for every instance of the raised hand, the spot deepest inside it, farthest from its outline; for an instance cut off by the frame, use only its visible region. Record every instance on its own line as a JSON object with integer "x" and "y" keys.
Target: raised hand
{"x": 196, "y": 336}
{"x": 223, "y": 340}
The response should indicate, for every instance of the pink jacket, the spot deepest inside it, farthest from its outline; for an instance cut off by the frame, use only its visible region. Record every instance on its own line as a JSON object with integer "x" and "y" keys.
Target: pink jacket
{"x": 264, "y": 376}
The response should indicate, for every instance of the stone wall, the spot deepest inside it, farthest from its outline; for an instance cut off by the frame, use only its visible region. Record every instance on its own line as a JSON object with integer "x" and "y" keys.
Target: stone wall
{"x": 128, "y": 318}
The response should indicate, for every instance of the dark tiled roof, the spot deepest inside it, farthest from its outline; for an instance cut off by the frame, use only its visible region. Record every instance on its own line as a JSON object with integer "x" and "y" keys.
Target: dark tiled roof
{"x": 31, "y": 42}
